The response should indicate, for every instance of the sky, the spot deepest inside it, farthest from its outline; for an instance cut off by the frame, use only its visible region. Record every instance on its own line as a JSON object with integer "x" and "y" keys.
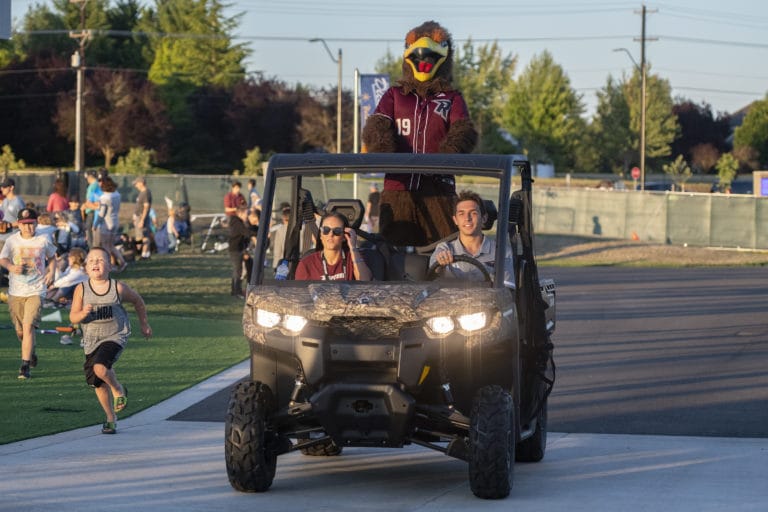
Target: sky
{"x": 711, "y": 52}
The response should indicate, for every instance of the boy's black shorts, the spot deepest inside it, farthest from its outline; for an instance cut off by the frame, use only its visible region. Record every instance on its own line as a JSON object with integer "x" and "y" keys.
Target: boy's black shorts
{"x": 106, "y": 354}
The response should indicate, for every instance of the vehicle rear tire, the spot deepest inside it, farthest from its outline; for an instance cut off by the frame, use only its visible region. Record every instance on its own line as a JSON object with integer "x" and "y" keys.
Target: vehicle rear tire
{"x": 533, "y": 448}
{"x": 251, "y": 460}
{"x": 491, "y": 443}
{"x": 325, "y": 449}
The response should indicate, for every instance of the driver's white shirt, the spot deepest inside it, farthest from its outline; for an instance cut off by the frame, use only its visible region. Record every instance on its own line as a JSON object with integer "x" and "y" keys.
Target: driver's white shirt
{"x": 486, "y": 255}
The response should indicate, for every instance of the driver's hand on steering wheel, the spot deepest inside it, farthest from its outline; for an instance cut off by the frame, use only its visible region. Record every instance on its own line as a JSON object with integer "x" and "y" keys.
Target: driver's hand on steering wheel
{"x": 444, "y": 257}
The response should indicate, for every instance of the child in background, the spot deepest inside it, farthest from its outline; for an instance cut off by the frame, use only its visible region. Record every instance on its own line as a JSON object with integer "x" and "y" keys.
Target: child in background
{"x": 24, "y": 255}
{"x": 97, "y": 306}
{"x": 64, "y": 285}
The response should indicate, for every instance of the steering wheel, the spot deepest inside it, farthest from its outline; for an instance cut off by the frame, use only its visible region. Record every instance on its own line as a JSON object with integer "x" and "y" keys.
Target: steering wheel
{"x": 432, "y": 272}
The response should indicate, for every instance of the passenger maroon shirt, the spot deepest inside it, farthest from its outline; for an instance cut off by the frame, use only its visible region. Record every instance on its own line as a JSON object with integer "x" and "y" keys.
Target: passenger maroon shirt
{"x": 311, "y": 268}
{"x": 421, "y": 124}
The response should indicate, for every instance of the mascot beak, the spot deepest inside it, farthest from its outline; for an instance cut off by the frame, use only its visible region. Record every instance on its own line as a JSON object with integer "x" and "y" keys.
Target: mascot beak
{"x": 425, "y": 56}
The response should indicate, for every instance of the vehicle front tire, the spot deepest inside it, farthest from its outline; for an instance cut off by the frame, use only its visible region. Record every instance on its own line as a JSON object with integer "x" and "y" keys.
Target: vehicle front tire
{"x": 250, "y": 460}
{"x": 491, "y": 443}
{"x": 533, "y": 448}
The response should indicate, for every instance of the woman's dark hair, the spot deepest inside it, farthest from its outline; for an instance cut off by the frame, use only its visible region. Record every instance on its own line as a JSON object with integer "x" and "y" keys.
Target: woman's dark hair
{"x": 342, "y": 218}
{"x": 60, "y": 188}
{"x": 108, "y": 184}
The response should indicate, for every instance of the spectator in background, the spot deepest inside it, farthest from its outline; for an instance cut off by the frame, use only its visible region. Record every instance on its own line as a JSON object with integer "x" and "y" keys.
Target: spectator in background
{"x": 90, "y": 208}
{"x": 64, "y": 285}
{"x": 240, "y": 235}
{"x": 75, "y": 224}
{"x": 108, "y": 221}
{"x": 57, "y": 201}
{"x": 45, "y": 226}
{"x": 234, "y": 199}
{"x": 277, "y": 236}
{"x": 29, "y": 259}
{"x": 254, "y": 199}
{"x": 142, "y": 222}
{"x": 372, "y": 209}
{"x": 12, "y": 204}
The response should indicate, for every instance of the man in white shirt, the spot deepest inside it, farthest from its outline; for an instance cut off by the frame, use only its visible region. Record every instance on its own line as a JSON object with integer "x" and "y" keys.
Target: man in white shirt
{"x": 469, "y": 216}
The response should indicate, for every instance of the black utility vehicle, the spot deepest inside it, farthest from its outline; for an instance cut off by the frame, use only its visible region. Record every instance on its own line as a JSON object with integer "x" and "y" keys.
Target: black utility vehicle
{"x": 463, "y": 367}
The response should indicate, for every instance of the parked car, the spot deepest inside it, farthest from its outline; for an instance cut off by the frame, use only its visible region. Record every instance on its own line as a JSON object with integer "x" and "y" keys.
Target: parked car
{"x": 737, "y": 187}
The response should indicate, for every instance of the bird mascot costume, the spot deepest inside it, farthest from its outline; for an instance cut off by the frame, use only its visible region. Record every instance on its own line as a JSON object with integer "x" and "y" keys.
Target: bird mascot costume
{"x": 422, "y": 113}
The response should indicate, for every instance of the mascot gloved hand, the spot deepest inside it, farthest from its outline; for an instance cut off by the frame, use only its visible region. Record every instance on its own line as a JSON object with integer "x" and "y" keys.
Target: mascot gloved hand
{"x": 422, "y": 113}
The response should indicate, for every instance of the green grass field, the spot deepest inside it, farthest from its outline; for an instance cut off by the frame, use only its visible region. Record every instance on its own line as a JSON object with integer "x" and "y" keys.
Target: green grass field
{"x": 197, "y": 333}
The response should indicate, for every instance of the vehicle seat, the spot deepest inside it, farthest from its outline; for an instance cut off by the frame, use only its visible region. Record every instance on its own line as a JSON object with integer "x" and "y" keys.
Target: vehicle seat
{"x": 407, "y": 267}
{"x": 352, "y": 209}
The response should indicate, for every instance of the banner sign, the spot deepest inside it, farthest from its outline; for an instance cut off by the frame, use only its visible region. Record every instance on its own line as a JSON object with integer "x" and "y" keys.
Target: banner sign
{"x": 372, "y": 88}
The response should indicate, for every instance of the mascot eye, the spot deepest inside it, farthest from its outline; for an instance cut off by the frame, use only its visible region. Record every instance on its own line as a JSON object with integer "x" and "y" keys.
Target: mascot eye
{"x": 424, "y": 54}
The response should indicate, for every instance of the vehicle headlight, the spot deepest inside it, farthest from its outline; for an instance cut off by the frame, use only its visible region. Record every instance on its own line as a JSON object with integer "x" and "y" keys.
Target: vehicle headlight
{"x": 441, "y": 324}
{"x": 294, "y": 323}
{"x": 472, "y": 322}
{"x": 267, "y": 318}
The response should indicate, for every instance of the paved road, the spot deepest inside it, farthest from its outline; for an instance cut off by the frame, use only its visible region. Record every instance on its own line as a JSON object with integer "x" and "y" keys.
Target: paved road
{"x": 650, "y": 351}
{"x": 678, "y": 352}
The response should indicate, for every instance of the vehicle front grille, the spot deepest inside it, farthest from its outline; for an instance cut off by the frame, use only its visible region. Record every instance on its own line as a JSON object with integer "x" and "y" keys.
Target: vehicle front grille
{"x": 369, "y": 328}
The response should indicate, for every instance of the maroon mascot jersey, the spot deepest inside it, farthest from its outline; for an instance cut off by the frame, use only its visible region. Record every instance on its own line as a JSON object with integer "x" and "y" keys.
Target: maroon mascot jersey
{"x": 422, "y": 113}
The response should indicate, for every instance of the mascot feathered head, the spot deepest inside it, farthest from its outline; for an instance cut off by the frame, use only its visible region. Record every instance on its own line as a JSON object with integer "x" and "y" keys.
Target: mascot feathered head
{"x": 428, "y": 59}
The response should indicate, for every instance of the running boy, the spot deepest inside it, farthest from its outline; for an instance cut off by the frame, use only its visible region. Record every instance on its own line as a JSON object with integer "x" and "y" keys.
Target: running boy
{"x": 97, "y": 306}
{"x": 24, "y": 255}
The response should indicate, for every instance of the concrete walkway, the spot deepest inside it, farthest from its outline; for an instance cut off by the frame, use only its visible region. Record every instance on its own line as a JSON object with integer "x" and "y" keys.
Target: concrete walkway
{"x": 157, "y": 465}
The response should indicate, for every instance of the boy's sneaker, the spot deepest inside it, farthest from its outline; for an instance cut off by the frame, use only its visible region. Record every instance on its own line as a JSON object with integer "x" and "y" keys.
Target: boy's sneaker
{"x": 33, "y": 361}
{"x": 24, "y": 372}
{"x": 109, "y": 427}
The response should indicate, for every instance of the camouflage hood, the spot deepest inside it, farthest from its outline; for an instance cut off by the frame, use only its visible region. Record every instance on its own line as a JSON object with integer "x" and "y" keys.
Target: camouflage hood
{"x": 404, "y": 302}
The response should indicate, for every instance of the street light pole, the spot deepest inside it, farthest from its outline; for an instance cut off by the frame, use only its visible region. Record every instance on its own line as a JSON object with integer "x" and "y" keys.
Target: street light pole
{"x": 78, "y": 62}
{"x": 641, "y": 69}
{"x": 338, "y": 91}
{"x": 642, "y": 106}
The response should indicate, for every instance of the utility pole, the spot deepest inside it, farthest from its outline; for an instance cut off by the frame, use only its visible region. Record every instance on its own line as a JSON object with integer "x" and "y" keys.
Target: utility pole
{"x": 642, "y": 104}
{"x": 643, "y": 39}
{"x": 78, "y": 63}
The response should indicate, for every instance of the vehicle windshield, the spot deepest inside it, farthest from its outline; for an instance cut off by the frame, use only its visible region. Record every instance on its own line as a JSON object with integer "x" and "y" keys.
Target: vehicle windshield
{"x": 397, "y": 232}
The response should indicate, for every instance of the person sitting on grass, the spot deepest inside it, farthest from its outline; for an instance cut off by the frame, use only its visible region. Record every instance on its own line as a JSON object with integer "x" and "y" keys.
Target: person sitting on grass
{"x": 97, "y": 306}
{"x": 63, "y": 288}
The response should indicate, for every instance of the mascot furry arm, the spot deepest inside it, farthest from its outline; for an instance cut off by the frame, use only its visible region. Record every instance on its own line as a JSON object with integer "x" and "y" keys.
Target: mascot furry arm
{"x": 422, "y": 113}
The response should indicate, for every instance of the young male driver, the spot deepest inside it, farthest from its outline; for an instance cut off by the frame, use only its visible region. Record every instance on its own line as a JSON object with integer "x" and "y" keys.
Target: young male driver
{"x": 469, "y": 216}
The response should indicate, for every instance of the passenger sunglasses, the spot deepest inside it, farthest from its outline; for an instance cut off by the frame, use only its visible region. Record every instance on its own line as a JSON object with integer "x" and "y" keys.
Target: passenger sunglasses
{"x": 335, "y": 231}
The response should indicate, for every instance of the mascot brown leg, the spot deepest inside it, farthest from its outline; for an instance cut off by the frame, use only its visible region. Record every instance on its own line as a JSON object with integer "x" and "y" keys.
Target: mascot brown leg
{"x": 413, "y": 218}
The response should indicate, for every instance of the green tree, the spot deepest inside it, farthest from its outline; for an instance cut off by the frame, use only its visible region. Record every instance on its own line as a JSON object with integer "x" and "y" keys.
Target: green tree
{"x": 544, "y": 113}
{"x": 753, "y": 132}
{"x": 679, "y": 171}
{"x": 194, "y": 46}
{"x": 122, "y": 111}
{"x": 661, "y": 127}
{"x": 727, "y": 166}
{"x": 481, "y": 75}
{"x": 391, "y": 65}
{"x": 252, "y": 162}
{"x": 137, "y": 161}
{"x": 610, "y": 132}
{"x": 8, "y": 160}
